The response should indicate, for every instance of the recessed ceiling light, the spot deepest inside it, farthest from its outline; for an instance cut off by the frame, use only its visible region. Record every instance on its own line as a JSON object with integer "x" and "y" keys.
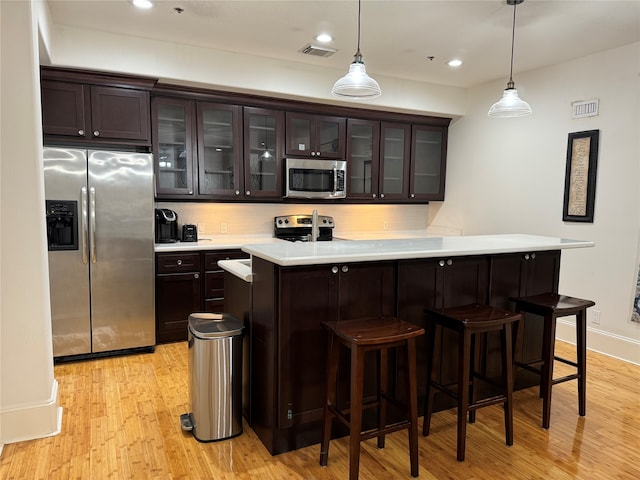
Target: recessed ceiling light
{"x": 455, "y": 62}
{"x": 143, "y": 3}
{"x": 324, "y": 38}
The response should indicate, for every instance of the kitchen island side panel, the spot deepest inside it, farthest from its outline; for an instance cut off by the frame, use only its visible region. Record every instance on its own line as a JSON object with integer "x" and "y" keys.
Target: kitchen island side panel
{"x": 263, "y": 341}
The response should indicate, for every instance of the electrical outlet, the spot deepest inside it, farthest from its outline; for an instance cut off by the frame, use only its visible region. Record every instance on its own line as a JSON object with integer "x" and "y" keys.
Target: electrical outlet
{"x": 595, "y": 317}
{"x": 385, "y": 225}
{"x": 201, "y": 228}
{"x": 223, "y": 227}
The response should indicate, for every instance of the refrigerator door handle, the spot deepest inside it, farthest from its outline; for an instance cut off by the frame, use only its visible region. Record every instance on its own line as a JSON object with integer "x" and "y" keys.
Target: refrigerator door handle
{"x": 92, "y": 224}
{"x": 85, "y": 225}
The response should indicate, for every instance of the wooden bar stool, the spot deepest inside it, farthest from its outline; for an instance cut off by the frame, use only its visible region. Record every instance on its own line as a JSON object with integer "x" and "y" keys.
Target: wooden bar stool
{"x": 361, "y": 336}
{"x": 468, "y": 321}
{"x": 550, "y": 306}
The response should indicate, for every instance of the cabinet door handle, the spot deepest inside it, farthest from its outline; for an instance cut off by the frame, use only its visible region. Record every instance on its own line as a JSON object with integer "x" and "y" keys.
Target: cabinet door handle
{"x": 413, "y": 195}
{"x": 374, "y": 195}
{"x": 526, "y": 256}
{"x": 196, "y": 275}
{"x": 313, "y": 154}
{"x": 334, "y": 269}
{"x": 248, "y": 192}
{"x": 237, "y": 192}
{"x": 190, "y": 192}
{"x": 441, "y": 263}
{"x": 382, "y": 195}
{"x": 96, "y": 133}
{"x": 81, "y": 132}
{"x": 345, "y": 268}
{"x": 179, "y": 262}
{"x": 449, "y": 262}
{"x": 533, "y": 255}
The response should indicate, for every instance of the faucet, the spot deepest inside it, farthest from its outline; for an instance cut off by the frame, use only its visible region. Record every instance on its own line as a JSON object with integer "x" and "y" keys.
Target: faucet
{"x": 315, "y": 230}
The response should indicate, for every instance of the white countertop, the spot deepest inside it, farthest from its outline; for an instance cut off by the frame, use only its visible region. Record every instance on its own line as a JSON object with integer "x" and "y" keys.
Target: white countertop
{"x": 241, "y": 268}
{"x": 224, "y": 241}
{"x": 218, "y": 242}
{"x": 313, "y": 253}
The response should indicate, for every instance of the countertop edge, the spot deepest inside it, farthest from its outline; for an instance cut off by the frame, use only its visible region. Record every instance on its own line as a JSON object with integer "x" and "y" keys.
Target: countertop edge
{"x": 381, "y": 250}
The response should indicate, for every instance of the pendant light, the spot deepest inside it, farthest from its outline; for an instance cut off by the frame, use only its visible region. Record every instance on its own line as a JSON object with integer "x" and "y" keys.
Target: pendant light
{"x": 510, "y": 105}
{"x": 356, "y": 84}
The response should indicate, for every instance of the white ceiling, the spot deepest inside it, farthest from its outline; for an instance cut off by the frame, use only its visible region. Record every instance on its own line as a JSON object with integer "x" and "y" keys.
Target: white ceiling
{"x": 397, "y": 36}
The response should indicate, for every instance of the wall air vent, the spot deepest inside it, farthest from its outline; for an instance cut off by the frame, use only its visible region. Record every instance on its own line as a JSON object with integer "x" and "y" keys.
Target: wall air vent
{"x": 317, "y": 51}
{"x": 586, "y": 108}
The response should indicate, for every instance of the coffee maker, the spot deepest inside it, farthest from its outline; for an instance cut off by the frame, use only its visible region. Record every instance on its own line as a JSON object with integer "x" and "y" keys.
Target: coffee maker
{"x": 166, "y": 225}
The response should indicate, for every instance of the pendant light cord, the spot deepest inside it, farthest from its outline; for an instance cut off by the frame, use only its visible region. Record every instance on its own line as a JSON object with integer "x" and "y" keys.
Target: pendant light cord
{"x": 359, "y": 6}
{"x": 513, "y": 40}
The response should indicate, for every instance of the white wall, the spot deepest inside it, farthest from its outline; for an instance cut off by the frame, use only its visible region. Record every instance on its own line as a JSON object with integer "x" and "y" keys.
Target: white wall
{"x": 28, "y": 391}
{"x": 191, "y": 65}
{"x": 507, "y": 175}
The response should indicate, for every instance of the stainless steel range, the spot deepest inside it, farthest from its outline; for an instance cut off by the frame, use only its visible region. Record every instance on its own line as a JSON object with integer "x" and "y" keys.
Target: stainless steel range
{"x": 304, "y": 228}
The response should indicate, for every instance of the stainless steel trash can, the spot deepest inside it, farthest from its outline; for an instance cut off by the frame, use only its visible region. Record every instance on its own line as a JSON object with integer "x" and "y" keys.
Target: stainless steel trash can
{"x": 215, "y": 376}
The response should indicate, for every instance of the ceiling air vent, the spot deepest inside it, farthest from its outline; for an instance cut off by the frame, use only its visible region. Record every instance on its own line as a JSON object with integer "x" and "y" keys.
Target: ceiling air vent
{"x": 586, "y": 108}
{"x": 317, "y": 51}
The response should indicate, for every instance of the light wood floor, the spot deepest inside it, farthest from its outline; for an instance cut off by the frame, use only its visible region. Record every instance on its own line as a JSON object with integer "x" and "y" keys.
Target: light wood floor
{"x": 121, "y": 421}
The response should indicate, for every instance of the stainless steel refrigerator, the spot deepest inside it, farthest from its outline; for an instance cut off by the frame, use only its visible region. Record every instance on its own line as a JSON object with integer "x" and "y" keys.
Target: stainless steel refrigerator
{"x": 100, "y": 220}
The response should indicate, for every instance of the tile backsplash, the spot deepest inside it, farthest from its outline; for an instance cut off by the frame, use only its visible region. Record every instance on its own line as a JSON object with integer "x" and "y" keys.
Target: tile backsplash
{"x": 257, "y": 218}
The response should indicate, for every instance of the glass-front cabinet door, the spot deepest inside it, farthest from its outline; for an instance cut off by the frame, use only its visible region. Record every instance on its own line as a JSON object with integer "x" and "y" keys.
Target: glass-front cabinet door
{"x": 219, "y": 150}
{"x": 394, "y": 155}
{"x": 363, "y": 140}
{"x": 263, "y": 152}
{"x": 173, "y": 146}
{"x": 428, "y": 154}
{"x": 315, "y": 136}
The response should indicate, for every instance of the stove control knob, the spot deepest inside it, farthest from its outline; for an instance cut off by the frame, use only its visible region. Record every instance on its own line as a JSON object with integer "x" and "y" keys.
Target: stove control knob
{"x": 279, "y": 221}
{"x": 286, "y": 221}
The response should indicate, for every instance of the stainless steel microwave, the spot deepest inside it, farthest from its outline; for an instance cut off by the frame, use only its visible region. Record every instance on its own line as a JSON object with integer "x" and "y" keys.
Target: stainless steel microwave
{"x": 316, "y": 179}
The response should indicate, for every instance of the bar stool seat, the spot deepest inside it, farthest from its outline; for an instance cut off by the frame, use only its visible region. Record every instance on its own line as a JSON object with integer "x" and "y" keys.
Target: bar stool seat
{"x": 550, "y": 306}
{"x": 361, "y": 336}
{"x": 469, "y": 321}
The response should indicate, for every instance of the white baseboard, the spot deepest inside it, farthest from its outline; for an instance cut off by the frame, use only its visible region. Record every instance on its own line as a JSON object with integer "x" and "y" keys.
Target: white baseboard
{"x": 28, "y": 422}
{"x": 617, "y": 346}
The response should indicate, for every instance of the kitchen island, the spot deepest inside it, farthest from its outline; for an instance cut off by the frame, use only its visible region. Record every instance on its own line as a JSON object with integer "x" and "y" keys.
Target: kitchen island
{"x": 297, "y": 286}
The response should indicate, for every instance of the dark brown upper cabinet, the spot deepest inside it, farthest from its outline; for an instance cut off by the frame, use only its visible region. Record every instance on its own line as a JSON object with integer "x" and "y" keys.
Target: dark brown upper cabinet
{"x": 174, "y": 147}
{"x": 79, "y": 112}
{"x": 363, "y": 149}
{"x": 428, "y": 163}
{"x": 263, "y": 153}
{"x": 219, "y": 150}
{"x": 315, "y": 136}
{"x": 395, "y": 148}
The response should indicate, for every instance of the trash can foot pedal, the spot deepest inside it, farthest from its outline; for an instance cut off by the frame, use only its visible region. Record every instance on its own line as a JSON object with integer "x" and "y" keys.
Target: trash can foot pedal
{"x": 185, "y": 422}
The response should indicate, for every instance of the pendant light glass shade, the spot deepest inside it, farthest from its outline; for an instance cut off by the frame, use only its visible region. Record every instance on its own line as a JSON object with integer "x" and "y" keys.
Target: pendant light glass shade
{"x": 511, "y": 105}
{"x": 356, "y": 84}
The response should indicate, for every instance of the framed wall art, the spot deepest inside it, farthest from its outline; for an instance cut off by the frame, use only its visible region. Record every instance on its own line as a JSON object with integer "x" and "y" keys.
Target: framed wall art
{"x": 580, "y": 176}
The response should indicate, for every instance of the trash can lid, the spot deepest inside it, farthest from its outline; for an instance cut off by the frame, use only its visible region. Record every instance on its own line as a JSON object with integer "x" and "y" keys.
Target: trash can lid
{"x": 213, "y": 325}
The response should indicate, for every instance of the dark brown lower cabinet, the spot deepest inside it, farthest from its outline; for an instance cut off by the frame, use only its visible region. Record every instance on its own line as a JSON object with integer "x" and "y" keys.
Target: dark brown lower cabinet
{"x": 288, "y": 345}
{"x": 516, "y": 275}
{"x": 439, "y": 283}
{"x": 187, "y": 283}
